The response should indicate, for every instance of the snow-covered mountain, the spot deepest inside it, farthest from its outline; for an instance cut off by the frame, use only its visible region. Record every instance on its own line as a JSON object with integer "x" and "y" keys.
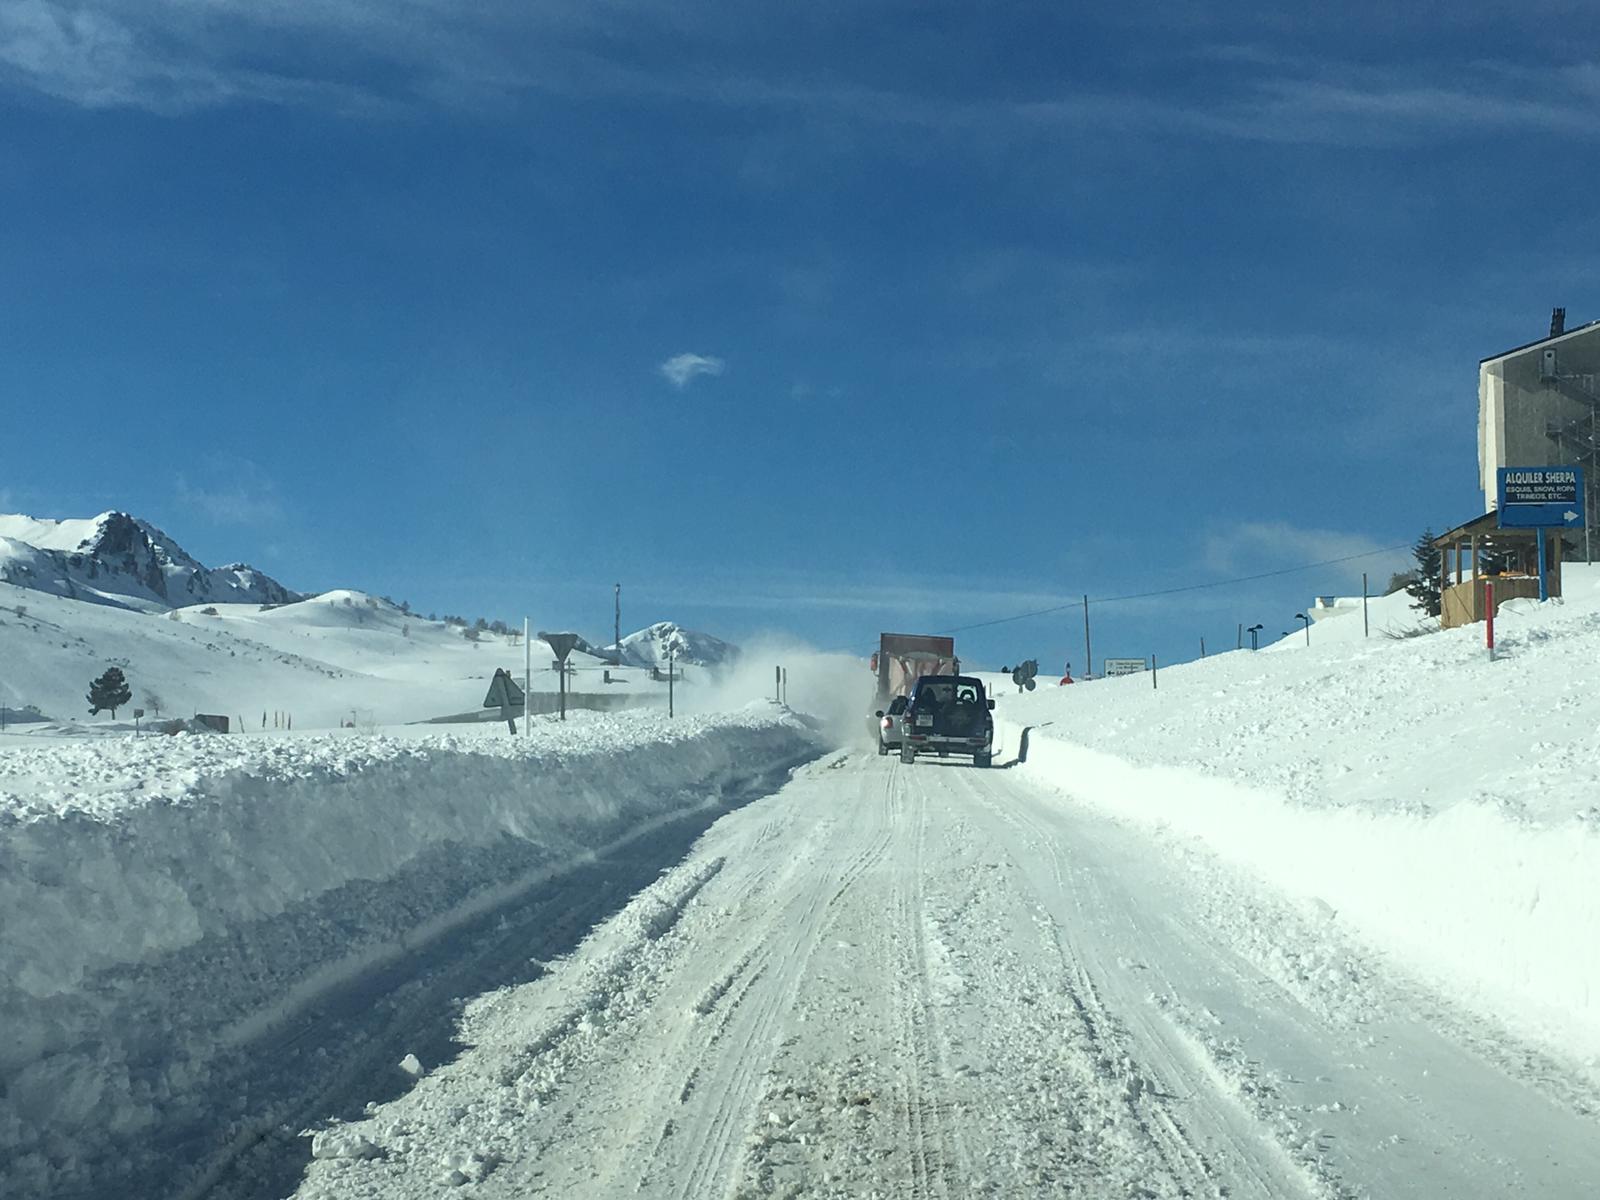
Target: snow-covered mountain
{"x": 119, "y": 560}
{"x": 651, "y": 646}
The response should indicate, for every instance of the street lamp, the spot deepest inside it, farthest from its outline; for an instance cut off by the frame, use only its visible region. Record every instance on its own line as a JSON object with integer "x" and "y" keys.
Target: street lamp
{"x": 1253, "y": 631}
{"x": 1307, "y": 620}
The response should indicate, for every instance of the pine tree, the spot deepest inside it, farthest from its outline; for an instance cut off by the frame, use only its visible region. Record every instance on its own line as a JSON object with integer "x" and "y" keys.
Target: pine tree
{"x": 109, "y": 692}
{"x": 1424, "y": 589}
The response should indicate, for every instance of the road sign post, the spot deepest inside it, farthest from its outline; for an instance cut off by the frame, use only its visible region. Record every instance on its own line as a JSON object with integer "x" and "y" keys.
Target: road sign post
{"x": 561, "y": 645}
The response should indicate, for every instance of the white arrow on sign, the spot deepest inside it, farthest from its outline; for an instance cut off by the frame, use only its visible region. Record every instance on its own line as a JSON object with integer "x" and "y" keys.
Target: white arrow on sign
{"x": 1571, "y": 516}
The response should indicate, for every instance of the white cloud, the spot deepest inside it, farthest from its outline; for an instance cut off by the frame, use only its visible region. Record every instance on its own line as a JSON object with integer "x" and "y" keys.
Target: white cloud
{"x": 234, "y": 491}
{"x": 681, "y": 369}
{"x": 1264, "y": 546}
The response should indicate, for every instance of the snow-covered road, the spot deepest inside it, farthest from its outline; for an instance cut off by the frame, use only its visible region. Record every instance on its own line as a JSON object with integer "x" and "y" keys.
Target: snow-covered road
{"x": 929, "y": 980}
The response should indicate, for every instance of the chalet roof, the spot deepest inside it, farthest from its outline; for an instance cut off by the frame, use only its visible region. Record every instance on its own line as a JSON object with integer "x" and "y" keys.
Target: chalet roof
{"x": 1489, "y": 523}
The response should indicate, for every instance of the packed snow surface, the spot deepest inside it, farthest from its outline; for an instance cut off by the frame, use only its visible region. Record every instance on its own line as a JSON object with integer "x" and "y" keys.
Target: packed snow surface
{"x": 933, "y": 980}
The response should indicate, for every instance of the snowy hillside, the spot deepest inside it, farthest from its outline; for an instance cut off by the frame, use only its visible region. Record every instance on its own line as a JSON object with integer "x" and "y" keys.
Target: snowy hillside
{"x": 119, "y": 560}
{"x": 323, "y": 661}
{"x": 651, "y": 647}
{"x": 1441, "y": 806}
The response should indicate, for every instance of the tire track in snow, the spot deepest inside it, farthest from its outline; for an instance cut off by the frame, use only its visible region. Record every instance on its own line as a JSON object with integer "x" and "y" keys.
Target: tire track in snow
{"x": 925, "y": 1084}
{"x": 1175, "y": 1065}
{"x": 750, "y": 1027}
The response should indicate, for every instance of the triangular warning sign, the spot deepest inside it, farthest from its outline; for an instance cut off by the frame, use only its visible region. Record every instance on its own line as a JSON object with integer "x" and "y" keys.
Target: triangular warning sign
{"x": 503, "y": 691}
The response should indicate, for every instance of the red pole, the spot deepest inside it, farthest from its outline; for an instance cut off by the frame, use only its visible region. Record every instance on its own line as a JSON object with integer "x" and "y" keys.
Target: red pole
{"x": 1488, "y": 604}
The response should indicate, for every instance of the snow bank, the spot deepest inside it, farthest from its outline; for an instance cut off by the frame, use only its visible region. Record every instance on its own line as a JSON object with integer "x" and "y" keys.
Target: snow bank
{"x": 168, "y": 898}
{"x": 1444, "y": 806}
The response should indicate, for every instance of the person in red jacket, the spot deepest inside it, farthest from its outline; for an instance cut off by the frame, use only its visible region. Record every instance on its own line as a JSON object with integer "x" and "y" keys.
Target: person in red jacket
{"x": 1067, "y": 678}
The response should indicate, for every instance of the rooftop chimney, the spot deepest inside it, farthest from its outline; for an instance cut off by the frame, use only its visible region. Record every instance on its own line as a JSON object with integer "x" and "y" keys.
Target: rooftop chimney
{"x": 1558, "y": 322}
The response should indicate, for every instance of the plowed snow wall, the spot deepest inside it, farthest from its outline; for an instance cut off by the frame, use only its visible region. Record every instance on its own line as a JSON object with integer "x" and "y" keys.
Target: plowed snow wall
{"x": 167, "y": 898}
{"x": 1500, "y": 915}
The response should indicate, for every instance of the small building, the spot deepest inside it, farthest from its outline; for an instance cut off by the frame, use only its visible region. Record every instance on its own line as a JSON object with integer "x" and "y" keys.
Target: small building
{"x": 1323, "y": 607}
{"x": 1473, "y": 554}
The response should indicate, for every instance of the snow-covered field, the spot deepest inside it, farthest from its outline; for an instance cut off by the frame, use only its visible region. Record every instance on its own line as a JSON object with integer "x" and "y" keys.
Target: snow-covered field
{"x": 339, "y": 658}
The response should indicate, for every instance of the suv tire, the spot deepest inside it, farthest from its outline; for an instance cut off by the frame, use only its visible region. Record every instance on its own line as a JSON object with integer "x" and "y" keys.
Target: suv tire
{"x": 981, "y": 760}
{"x": 907, "y": 754}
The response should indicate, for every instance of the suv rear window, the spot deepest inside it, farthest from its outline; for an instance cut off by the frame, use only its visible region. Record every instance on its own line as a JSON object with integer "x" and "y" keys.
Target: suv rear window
{"x": 951, "y": 691}
{"x": 898, "y": 705}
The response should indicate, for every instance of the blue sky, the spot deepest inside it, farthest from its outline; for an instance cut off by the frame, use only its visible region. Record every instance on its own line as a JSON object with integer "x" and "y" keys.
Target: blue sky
{"x": 825, "y": 318}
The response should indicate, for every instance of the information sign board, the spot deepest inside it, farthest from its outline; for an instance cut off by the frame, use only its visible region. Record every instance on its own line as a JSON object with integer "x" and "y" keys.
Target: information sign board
{"x": 1125, "y": 666}
{"x": 1541, "y": 498}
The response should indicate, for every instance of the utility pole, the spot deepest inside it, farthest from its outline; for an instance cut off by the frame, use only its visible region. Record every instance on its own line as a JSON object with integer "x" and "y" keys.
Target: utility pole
{"x": 527, "y": 672}
{"x": 672, "y": 676}
{"x": 1366, "y": 625}
{"x": 616, "y": 646}
{"x": 786, "y": 685}
{"x": 1088, "y": 654}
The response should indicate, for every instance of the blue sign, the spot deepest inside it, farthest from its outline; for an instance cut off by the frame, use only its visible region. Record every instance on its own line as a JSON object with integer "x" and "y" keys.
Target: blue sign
{"x": 1541, "y": 498}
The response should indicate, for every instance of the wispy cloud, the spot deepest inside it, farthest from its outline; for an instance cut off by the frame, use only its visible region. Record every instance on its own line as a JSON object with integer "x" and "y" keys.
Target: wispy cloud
{"x": 114, "y": 55}
{"x": 1260, "y": 546}
{"x": 682, "y": 369}
{"x": 231, "y": 491}
{"x": 174, "y": 55}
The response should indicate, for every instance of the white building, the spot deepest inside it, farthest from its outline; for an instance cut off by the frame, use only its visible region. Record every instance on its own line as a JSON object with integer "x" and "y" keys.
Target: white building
{"x": 1539, "y": 406}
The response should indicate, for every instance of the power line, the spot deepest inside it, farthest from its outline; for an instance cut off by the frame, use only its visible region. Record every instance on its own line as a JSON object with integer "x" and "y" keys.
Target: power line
{"x": 1190, "y": 587}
